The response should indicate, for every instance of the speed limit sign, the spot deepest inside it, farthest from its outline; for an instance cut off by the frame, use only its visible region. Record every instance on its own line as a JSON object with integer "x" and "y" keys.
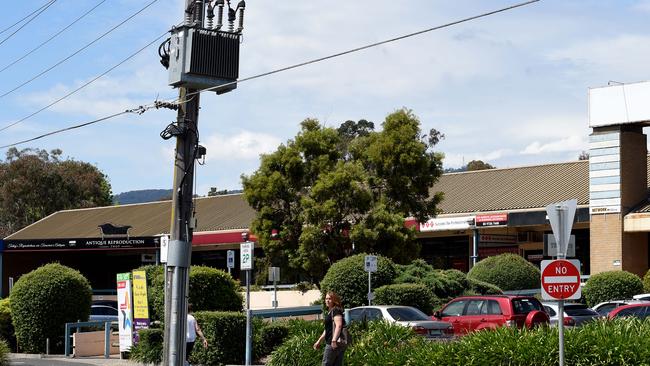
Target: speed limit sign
{"x": 246, "y": 255}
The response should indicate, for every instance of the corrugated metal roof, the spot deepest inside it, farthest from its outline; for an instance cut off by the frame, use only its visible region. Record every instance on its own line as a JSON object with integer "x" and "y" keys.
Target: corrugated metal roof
{"x": 514, "y": 188}
{"x": 146, "y": 219}
{"x": 478, "y": 191}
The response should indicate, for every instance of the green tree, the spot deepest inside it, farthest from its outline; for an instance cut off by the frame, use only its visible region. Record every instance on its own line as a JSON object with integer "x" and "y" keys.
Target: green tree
{"x": 478, "y": 165}
{"x": 35, "y": 183}
{"x": 329, "y": 192}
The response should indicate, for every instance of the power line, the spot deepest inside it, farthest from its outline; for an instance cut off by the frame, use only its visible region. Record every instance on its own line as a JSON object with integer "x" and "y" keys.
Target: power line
{"x": 51, "y": 38}
{"x": 157, "y": 104}
{"x": 85, "y": 84}
{"x": 25, "y": 17}
{"x": 78, "y": 51}
{"x": 29, "y": 21}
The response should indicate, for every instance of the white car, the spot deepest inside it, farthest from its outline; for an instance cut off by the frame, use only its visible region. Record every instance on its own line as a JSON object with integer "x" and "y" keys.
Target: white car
{"x": 642, "y": 297}
{"x": 605, "y": 307}
{"x": 407, "y": 316}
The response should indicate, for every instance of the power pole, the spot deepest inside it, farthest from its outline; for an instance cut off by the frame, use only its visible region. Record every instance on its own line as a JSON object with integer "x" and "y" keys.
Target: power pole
{"x": 197, "y": 58}
{"x": 182, "y": 219}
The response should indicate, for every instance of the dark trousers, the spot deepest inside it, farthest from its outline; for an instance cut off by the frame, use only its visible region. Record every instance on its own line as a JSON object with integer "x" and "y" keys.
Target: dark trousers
{"x": 333, "y": 357}
{"x": 188, "y": 349}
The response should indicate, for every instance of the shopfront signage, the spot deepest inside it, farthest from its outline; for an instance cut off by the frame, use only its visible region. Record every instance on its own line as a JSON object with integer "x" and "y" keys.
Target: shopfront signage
{"x": 82, "y": 244}
{"x": 447, "y": 223}
{"x": 500, "y": 219}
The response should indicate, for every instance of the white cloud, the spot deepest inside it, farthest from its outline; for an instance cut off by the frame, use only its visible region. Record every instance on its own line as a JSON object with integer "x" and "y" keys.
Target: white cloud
{"x": 643, "y": 5}
{"x": 571, "y": 143}
{"x": 244, "y": 145}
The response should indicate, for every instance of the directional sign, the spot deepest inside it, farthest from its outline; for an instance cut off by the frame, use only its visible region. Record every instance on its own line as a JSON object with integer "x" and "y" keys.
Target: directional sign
{"x": 561, "y": 216}
{"x": 371, "y": 263}
{"x": 246, "y": 255}
{"x": 231, "y": 259}
{"x": 561, "y": 279}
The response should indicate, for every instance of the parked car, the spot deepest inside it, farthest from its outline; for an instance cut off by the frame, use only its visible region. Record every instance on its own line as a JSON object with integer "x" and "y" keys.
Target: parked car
{"x": 407, "y": 316}
{"x": 639, "y": 310}
{"x": 604, "y": 308}
{"x": 471, "y": 313}
{"x": 574, "y": 314}
{"x": 104, "y": 311}
{"x": 641, "y": 297}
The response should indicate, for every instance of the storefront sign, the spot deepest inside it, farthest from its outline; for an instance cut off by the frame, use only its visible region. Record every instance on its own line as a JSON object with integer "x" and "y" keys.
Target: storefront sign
{"x": 447, "y": 223}
{"x": 140, "y": 304}
{"x": 500, "y": 219}
{"x": 82, "y": 244}
{"x": 125, "y": 311}
{"x": 498, "y": 238}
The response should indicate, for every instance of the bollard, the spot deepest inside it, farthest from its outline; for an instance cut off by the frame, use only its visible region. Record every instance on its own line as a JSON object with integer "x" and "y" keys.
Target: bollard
{"x": 47, "y": 346}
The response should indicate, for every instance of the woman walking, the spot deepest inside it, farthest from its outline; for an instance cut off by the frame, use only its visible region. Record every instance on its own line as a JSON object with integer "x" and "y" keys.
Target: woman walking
{"x": 334, "y": 323}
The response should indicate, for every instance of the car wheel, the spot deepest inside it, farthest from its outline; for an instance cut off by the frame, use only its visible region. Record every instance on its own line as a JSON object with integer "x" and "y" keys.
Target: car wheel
{"x": 536, "y": 318}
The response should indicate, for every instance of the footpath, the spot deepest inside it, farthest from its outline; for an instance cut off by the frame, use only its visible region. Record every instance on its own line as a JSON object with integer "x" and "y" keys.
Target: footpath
{"x": 37, "y": 360}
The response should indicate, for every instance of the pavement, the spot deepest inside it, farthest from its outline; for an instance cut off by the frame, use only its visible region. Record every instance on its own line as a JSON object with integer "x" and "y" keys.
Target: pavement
{"x": 23, "y": 359}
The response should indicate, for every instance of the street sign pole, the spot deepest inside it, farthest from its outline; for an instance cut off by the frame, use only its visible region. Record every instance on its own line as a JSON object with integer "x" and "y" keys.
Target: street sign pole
{"x": 370, "y": 266}
{"x": 561, "y": 216}
{"x": 246, "y": 257}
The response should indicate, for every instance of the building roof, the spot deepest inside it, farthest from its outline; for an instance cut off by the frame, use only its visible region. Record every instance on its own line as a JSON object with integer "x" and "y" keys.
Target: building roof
{"x": 514, "y": 188}
{"x": 468, "y": 192}
{"x": 228, "y": 212}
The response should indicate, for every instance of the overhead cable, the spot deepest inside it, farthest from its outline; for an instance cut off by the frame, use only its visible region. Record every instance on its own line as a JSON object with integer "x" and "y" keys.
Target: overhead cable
{"x": 29, "y": 21}
{"x": 85, "y": 84}
{"x": 25, "y": 17}
{"x": 78, "y": 51}
{"x": 156, "y": 104}
{"x": 51, "y": 38}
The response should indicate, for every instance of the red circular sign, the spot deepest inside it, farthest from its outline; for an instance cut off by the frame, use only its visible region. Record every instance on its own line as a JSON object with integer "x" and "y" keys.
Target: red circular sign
{"x": 560, "y": 279}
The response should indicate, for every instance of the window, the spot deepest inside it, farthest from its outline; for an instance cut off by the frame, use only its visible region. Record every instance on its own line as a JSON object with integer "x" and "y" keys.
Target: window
{"x": 525, "y": 306}
{"x": 474, "y": 307}
{"x": 579, "y": 310}
{"x": 356, "y": 315}
{"x": 605, "y": 309}
{"x": 454, "y": 309}
{"x": 373, "y": 314}
{"x": 407, "y": 314}
{"x": 549, "y": 310}
{"x": 493, "y": 308}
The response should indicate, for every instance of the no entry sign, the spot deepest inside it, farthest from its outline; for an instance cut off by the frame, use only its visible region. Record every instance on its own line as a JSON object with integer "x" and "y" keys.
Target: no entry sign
{"x": 561, "y": 279}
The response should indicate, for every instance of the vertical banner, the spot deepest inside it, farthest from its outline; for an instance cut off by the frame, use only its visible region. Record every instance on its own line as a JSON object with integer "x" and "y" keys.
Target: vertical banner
{"x": 125, "y": 311}
{"x": 140, "y": 304}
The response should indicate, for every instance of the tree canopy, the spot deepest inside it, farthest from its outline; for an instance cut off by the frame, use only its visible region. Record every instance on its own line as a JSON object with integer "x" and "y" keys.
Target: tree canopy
{"x": 330, "y": 192}
{"x": 35, "y": 183}
{"x": 478, "y": 165}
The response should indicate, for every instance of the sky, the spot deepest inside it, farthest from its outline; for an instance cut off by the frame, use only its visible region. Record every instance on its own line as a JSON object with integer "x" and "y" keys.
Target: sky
{"x": 509, "y": 89}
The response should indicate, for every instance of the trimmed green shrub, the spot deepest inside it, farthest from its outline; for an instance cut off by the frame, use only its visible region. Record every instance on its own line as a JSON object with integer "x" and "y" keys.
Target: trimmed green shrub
{"x": 409, "y": 294}
{"x": 612, "y": 285}
{"x": 482, "y": 288}
{"x": 349, "y": 280}
{"x": 214, "y": 289}
{"x": 226, "y": 335}
{"x": 646, "y": 282}
{"x": 150, "y": 347}
{"x": 210, "y": 289}
{"x": 6, "y": 327}
{"x": 43, "y": 300}
{"x": 271, "y": 336}
{"x": 507, "y": 271}
{"x": 4, "y": 354}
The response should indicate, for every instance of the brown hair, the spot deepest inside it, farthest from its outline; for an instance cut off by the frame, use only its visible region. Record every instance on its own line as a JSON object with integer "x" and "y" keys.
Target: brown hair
{"x": 336, "y": 299}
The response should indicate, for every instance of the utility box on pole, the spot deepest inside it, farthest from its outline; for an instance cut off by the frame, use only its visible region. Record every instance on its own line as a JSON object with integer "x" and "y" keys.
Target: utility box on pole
{"x": 203, "y": 58}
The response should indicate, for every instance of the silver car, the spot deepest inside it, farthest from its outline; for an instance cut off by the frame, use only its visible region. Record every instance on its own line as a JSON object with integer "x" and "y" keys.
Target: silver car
{"x": 605, "y": 307}
{"x": 407, "y": 316}
{"x": 574, "y": 314}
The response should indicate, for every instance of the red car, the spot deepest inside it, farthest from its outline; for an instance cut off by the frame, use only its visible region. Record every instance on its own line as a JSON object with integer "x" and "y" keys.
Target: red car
{"x": 641, "y": 311}
{"x": 471, "y": 313}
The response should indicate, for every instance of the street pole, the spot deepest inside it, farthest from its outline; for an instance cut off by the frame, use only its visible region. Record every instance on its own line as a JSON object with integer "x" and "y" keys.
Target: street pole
{"x": 561, "y": 254}
{"x": 249, "y": 330}
{"x": 475, "y": 243}
{"x": 369, "y": 289}
{"x": 182, "y": 218}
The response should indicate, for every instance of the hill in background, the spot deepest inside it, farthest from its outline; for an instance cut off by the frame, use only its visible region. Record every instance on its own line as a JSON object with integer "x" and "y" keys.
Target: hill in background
{"x": 141, "y": 196}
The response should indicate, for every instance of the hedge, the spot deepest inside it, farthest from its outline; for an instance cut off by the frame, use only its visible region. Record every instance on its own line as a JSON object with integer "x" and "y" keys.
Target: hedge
{"x": 619, "y": 342}
{"x": 409, "y": 294}
{"x": 43, "y": 300}
{"x": 349, "y": 280}
{"x": 149, "y": 348}
{"x": 210, "y": 289}
{"x": 646, "y": 282}
{"x": 6, "y": 327}
{"x": 612, "y": 285}
{"x": 4, "y": 354}
{"x": 507, "y": 271}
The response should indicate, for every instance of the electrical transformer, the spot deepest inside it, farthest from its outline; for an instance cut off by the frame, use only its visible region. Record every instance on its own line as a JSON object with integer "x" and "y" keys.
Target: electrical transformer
{"x": 203, "y": 58}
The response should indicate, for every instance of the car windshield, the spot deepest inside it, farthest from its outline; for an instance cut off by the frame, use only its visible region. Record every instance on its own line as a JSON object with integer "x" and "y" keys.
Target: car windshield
{"x": 407, "y": 314}
{"x": 579, "y": 310}
{"x": 525, "y": 306}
